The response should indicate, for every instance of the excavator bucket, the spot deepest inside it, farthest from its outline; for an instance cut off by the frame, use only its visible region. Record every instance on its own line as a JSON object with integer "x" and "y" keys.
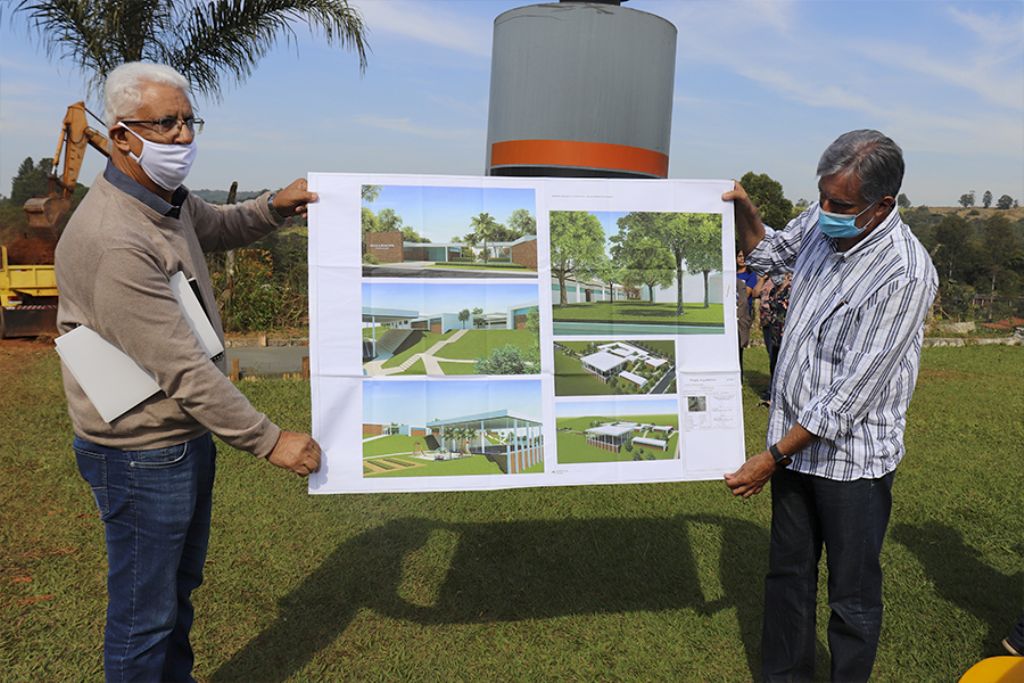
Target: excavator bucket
{"x": 44, "y": 212}
{"x": 28, "y": 321}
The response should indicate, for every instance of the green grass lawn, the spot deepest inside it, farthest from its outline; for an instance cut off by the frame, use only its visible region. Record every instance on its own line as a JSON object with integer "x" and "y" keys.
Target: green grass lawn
{"x": 458, "y": 368}
{"x": 656, "y": 582}
{"x": 572, "y": 380}
{"x": 396, "y": 443}
{"x": 477, "y": 344}
{"x": 474, "y": 464}
{"x": 426, "y": 341}
{"x": 638, "y": 312}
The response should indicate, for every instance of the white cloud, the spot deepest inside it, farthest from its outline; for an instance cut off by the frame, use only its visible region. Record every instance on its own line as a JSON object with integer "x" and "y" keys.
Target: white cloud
{"x": 992, "y": 31}
{"x": 428, "y": 22}
{"x": 972, "y": 74}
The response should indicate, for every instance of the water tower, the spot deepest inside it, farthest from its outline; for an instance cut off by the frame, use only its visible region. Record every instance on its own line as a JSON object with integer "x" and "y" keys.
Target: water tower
{"x": 581, "y": 89}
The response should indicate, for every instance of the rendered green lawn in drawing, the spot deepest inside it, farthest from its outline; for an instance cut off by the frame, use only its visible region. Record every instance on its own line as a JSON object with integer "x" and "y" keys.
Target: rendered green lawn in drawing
{"x": 426, "y": 341}
{"x": 458, "y": 368}
{"x": 638, "y": 312}
{"x": 572, "y": 380}
{"x": 476, "y": 344}
{"x": 396, "y": 443}
{"x": 473, "y": 345}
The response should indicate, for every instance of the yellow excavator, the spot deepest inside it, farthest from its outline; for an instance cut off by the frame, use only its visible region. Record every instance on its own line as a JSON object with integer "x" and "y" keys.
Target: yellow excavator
{"x": 28, "y": 284}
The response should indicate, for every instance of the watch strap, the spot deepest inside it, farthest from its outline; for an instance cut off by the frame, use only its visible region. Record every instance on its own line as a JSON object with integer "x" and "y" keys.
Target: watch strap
{"x": 781, "y": 459}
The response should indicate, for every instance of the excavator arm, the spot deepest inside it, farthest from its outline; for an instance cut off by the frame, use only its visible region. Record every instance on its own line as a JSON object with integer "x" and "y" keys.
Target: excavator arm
{"x": 44, "y": 213}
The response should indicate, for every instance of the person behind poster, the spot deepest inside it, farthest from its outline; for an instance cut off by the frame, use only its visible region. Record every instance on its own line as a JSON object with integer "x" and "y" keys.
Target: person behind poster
{"x": 151, "y": 470}
{"x": 862, "y": 287}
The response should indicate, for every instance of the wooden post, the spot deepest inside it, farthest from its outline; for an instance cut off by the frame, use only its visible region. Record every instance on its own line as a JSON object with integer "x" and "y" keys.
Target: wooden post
{"x": 236, "y": 370}
{"x": 305, "y": 367}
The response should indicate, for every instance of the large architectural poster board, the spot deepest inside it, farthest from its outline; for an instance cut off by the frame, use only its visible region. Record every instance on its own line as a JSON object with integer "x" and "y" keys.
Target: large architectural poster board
{"x": 484, "y": 333}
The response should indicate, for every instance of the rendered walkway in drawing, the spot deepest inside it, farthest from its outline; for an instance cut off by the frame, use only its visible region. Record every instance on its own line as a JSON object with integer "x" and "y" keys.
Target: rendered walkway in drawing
{"x": 376, "y": 368}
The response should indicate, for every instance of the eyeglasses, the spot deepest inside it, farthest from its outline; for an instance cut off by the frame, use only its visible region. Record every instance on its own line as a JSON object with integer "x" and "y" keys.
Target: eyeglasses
{"x": 171, "y": 124}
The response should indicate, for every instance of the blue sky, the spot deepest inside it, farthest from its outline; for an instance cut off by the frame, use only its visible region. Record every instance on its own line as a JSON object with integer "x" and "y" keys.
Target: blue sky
{"x": 760, "y": 85}
{"x": 441, "y": 213}
{"x": 613, "y": 408}
{"x": 415, "y": 403}
{"x": 608, "y": 222}
{"x": 430, "y": 298}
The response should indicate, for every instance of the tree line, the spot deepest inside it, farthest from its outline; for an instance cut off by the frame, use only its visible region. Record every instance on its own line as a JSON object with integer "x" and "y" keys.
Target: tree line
{"x": 651, "y": 249}
{"x": 1004, "y": 202}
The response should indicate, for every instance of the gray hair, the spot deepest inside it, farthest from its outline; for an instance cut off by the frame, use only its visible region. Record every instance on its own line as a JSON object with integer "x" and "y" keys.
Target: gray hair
{"x": 874, "y": 159}
{"x": 122, "y": 92}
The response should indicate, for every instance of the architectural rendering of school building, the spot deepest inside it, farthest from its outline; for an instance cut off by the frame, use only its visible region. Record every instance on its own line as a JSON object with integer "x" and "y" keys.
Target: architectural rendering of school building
{"x": 390, "y": 247}
{"x": 612, "y": 436}
{"x": 579, "y": 291}
{"x": 610, "y": 359}
{"x": 518, "y": 445}
{"x": 407, "y": 320}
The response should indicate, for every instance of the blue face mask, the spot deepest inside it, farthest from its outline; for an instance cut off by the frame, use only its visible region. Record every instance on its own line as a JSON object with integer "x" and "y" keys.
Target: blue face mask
{"x": 839, "y": 225}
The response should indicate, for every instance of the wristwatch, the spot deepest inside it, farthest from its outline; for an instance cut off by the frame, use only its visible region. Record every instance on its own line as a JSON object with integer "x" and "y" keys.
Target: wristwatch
{"x": 781, "y": 459}
{"x": 270, "y": 205}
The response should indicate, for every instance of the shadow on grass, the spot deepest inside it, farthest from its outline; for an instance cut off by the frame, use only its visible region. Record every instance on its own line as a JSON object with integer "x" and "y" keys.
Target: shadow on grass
{"x": 961, "y": 576}
{"x": 758, "y": 381}
{"x": 513, "y": 571}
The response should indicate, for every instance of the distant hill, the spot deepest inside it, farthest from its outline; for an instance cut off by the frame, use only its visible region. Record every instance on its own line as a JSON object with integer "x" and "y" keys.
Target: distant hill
{"x": 221, "y": 196}
{"x": 979, "y": 212}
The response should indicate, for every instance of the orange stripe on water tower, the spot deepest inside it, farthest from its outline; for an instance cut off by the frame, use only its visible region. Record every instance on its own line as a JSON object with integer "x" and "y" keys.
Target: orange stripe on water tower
{"x": 599, "y": 155}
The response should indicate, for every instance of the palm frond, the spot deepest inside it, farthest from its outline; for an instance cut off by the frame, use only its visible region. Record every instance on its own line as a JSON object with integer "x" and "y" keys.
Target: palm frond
{"x": 69, "y": 29}
{"x": 202, "y": 40}
{"x": 232, "y": 35}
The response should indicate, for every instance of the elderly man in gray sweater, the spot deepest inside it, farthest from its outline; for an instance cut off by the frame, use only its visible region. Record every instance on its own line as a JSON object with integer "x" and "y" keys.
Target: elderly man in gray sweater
{"x": 151, "y": 470}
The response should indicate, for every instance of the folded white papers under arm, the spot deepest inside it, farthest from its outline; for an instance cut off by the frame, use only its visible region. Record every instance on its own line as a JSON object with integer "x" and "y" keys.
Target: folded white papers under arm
{"x": 196, "y": 316}
{"x": 113, "y": 381}
{"x": 109, "y": 377}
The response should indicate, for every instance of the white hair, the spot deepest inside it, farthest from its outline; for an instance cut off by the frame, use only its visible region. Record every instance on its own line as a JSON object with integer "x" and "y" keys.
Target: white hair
{"x": 122, "y": 92}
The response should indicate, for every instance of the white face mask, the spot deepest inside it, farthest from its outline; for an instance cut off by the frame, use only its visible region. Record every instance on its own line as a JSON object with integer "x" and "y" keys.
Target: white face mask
{"x": 166, "y": 165}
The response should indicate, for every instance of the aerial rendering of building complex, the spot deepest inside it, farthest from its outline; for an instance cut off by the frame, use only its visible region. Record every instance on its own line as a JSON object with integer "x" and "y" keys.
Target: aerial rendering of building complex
{"x": 614, "y": 367}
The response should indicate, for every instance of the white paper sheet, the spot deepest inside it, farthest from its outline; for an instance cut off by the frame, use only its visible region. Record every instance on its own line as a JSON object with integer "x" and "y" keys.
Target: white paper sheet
{"x": 110, "y": 378}
{"x": 444, "y": 357}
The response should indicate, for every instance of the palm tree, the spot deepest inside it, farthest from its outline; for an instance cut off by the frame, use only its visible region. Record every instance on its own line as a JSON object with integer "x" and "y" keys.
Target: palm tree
{"x": 484, "y": 226}
{"x": 202, "y": 40}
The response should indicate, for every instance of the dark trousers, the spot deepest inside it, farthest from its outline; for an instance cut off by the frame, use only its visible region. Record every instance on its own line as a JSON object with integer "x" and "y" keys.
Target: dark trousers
{"x": 772, "y": 344}
{"x": 850, "y": 519}
{"x": 155, "y": 506}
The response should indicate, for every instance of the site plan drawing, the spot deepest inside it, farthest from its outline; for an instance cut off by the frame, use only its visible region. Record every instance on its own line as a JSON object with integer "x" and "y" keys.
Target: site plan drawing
{"x": 484, "y": 333}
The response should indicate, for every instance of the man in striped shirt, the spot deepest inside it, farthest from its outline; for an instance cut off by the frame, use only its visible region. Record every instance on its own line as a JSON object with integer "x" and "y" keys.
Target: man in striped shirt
{"x": 862, "y": 286}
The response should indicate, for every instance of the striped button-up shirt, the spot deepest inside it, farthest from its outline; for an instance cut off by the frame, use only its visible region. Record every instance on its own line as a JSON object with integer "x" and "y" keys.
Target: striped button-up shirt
{"x": 852, "y": 346}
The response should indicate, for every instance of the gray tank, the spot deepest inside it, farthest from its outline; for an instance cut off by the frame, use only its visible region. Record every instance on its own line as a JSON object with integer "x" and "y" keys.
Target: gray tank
{"x": 581, "y": 89}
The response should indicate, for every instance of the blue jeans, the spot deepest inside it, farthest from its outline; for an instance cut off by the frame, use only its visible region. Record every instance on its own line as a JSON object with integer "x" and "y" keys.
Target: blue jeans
{"x": 850, "y": 519}
{"x": 155, "y": 506}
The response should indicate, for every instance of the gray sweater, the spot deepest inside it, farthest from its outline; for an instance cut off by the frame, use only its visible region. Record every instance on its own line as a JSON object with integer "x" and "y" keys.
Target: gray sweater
{"x": 114, "y": 262}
